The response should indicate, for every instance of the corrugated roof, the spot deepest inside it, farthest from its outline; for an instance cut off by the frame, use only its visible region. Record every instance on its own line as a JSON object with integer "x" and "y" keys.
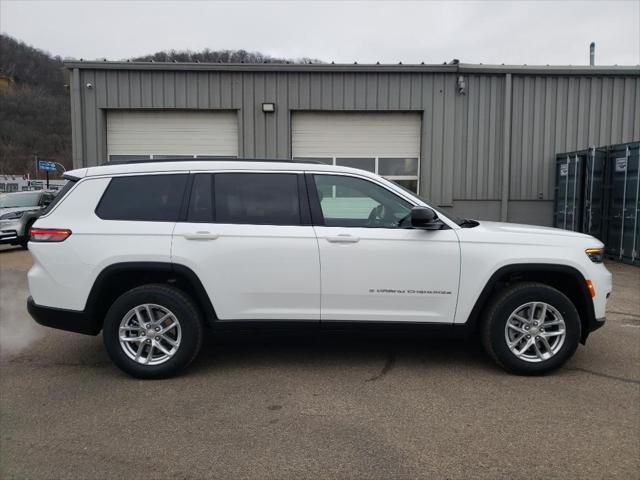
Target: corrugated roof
{"x": 356, "y": 67}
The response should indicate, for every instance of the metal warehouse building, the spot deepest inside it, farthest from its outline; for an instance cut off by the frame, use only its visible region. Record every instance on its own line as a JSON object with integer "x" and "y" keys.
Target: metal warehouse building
{"x": 478, "y": 139}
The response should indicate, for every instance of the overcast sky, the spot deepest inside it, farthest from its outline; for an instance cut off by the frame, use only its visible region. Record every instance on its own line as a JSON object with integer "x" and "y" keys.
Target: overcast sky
{"x": 518, "y": 32}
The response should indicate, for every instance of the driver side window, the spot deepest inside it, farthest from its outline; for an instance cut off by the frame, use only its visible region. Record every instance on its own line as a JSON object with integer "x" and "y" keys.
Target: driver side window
{"x": 354, "y": 202}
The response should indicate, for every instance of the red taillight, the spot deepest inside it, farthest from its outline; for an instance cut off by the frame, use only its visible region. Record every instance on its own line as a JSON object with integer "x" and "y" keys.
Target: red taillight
{"x": 48, "y": 234}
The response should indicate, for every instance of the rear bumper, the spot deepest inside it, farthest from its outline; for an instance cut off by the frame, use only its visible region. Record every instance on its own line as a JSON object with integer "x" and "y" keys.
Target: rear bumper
{"x": 69, "y": 320}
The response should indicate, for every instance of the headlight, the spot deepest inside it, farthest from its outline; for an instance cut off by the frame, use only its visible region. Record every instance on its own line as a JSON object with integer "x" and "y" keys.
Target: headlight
{"x": 11, "y": 216}
{"x": 596, "y": 255}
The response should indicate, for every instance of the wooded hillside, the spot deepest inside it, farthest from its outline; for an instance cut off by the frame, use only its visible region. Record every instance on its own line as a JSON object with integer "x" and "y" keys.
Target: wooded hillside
{"x": 35, "y": 117}
{"x": 34, "y": 108}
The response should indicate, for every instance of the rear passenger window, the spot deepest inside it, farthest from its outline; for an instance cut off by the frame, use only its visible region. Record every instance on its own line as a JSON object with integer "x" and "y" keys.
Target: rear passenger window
{"x": 245, "y": 198}
{"x": 149, "y": 198}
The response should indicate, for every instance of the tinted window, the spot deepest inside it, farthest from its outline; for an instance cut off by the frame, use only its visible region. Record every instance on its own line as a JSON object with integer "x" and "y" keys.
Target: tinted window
{"x": 151, "y": 198}
{"x": 251, "y": 198}
{"x": 47, "y": 198}
{"x": 354, "y": 202}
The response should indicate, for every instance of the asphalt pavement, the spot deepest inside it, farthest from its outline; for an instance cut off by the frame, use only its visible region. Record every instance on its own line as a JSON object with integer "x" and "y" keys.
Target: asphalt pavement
{"x": 307, "y": 406}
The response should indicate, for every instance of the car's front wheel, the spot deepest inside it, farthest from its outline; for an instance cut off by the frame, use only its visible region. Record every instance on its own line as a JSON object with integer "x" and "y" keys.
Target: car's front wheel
{"x": 531, "y": 328}
{"x": 153, "y": 331}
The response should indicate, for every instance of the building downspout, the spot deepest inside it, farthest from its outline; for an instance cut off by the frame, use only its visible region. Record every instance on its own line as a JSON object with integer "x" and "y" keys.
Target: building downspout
{"x": 506, "y": 150}
{"x": 77, "y": 129}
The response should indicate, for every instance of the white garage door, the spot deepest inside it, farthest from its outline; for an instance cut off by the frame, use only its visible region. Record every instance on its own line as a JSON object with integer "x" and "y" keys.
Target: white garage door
{"x": 382, "y": 142}
{"x": 133, "y": 135}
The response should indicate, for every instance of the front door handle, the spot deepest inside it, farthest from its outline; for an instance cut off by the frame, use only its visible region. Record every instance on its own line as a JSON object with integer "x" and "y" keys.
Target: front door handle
{"x": 342, "y": 238}
{"x": 201, "y": 236}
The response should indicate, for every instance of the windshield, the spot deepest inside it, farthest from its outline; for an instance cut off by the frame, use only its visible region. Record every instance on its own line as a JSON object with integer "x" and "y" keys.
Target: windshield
{"x": 449, "y": 215}
{"x": 13, "y": 200}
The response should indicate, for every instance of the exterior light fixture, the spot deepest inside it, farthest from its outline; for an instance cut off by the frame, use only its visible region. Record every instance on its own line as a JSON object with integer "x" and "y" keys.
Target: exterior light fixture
{"x": 462, "y": 85}
{"x": 268, "y": 107}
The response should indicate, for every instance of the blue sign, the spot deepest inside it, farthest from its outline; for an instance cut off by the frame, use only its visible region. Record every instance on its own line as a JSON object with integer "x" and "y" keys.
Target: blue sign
{"x": 47, "y": 165}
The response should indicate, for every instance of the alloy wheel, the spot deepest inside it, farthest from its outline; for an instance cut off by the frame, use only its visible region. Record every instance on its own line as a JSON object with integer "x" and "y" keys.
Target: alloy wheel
{"x": 535, "y": 332}
{"x": 150, "y": 334}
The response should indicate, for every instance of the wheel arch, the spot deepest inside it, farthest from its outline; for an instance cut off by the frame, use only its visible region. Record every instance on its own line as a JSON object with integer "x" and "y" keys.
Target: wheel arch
{"x": 564, "y": 278}
{"x": 118, "y": 278}
{"x": 28, "y": 220}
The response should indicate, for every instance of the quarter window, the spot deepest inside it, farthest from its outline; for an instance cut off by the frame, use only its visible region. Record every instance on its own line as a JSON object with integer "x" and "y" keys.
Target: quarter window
{"x": 354, "y": 202}
{"x": 149, "y": 198}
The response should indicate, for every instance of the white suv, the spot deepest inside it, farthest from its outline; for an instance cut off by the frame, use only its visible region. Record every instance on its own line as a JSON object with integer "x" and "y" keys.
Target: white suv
{"x": 152, "y": 253}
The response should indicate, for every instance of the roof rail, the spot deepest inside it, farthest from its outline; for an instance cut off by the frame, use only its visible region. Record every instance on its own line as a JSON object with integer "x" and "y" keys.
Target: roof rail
{"x": 217, "y": 159}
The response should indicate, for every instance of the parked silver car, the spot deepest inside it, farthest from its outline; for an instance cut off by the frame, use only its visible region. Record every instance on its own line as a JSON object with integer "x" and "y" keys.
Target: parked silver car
{"x": 18, "y": 211}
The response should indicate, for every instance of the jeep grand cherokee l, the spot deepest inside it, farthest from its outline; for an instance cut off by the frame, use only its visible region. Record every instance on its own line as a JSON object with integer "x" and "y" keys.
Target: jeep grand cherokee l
{"x": 152, "y": 253}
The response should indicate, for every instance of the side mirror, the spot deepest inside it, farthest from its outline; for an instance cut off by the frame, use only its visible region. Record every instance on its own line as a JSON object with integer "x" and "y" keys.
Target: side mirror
{"x": 424, "y": 218}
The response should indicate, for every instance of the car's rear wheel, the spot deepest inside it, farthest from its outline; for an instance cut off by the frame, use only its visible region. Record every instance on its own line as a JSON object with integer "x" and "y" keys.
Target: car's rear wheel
{"x": 531, "y": 328}
{"x": 153, "y": 331}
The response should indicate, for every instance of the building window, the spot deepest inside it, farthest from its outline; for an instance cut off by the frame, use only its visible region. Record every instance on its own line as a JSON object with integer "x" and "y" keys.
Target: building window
{"x": 368, "y": 164}
{"x": 130, "y": 158}
{"x": 404, "y": 171}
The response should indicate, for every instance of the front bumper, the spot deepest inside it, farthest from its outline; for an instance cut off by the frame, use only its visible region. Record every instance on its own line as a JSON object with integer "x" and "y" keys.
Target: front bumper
{"x": 10, "y": 230}
{"x": 9, "y": 236}
{"x": 69, "y": 320}
{"x": 596, "y": 324}
{"x": 590, "y": 326}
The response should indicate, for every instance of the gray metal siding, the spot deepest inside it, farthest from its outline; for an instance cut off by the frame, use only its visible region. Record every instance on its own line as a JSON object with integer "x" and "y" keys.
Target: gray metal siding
{"x": 462, "y": 135}
{"x": 553, "y": 114}
{"x": 478, "y": 130}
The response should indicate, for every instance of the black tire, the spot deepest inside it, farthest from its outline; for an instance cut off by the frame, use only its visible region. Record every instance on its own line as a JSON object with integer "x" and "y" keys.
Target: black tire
{"x": 173, "y": 300}
{"x": 505, "y": 303}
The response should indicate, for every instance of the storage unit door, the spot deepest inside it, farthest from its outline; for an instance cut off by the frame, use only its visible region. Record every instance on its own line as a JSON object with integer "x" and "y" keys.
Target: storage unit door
{"x": 594, "y": 173}
{"x": 386, "y": 143}
{"x": 623, "y": 232}
{"x": 139, "y": 135}
{"x": 569, "y": 190}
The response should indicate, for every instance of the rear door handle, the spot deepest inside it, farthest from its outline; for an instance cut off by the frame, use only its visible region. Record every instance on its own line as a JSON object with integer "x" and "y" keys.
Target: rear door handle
{"x": 201, "y": 236}
{"x": 342, "y": 238}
